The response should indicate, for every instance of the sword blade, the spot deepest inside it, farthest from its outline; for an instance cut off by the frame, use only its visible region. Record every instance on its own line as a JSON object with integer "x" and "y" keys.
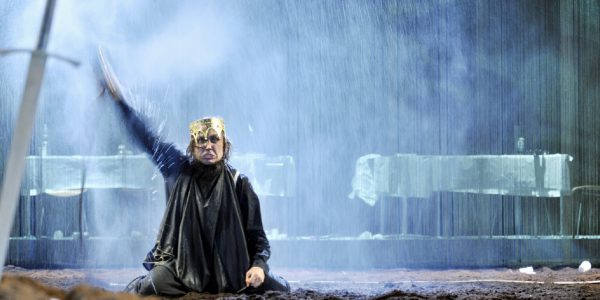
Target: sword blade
{"x": 108, "y": 78}
{"x": 19, "y": 146}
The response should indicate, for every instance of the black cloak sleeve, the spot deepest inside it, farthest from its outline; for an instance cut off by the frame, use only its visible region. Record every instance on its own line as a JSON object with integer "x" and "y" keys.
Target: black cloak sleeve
{"x": 166, "y": 156}
{"x": 259, "y": 249}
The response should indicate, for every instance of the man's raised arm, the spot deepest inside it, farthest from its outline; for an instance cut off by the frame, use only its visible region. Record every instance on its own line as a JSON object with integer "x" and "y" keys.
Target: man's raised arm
{"x": 168, "y": 159}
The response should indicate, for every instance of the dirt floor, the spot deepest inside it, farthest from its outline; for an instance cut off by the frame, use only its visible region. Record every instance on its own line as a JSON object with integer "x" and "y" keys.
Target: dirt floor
{"x": 563, "y": 283}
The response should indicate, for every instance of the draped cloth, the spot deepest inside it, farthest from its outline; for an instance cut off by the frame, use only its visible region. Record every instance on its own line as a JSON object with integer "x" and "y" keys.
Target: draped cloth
{"x": 202, "y": 238}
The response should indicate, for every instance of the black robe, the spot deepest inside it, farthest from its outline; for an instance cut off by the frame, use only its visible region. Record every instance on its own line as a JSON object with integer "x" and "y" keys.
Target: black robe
{"x": 208, "y": 238}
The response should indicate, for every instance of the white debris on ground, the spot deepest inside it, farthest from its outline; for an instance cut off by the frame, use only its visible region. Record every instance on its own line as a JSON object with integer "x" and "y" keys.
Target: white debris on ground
{"x": 584, "y": 266}
{"x": 527, "y": 270}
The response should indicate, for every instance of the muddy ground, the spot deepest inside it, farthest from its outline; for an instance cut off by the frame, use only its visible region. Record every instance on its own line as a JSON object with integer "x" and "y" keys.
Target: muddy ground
{"x": 563, "y": 283}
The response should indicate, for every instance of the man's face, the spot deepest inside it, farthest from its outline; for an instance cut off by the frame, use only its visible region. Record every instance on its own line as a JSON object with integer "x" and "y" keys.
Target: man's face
{"x": 209, "y": 150}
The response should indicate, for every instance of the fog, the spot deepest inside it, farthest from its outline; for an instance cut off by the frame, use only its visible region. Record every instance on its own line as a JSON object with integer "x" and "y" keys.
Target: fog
{"x": 310, "y": 85}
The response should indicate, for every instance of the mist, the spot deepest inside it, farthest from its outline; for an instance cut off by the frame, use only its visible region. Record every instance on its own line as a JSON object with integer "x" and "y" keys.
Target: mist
{"x": 311, "y": 85}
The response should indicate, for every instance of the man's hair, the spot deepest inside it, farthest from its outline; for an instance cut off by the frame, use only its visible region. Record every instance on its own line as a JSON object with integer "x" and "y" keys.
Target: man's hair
{"x": 226, "y": 151}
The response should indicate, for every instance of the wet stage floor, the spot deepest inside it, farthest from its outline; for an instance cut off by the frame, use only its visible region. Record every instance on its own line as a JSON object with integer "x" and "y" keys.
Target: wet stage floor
{"x": 501, "y": 283}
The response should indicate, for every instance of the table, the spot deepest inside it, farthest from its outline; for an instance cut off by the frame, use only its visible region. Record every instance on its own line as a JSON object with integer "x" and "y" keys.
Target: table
{"x": 270, "y": 176}
{"x": 63, "y": 176}
{"x": 419, "y": 176}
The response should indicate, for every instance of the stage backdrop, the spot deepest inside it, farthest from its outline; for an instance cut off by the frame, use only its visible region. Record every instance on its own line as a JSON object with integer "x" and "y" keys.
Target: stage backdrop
{"x": 327, "y": 82}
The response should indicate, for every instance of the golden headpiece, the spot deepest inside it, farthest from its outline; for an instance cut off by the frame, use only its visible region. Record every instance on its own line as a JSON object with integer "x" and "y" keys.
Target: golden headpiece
{"x": 200, "y": 128}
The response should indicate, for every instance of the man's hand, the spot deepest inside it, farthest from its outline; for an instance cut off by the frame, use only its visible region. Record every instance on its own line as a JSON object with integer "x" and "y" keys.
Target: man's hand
{"x": 255, "y": 277}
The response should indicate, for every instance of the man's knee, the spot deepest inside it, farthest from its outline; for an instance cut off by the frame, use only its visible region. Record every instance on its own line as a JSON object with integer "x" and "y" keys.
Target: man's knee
{"x": 160, "y": 281}
{"x": 274, "y": 282}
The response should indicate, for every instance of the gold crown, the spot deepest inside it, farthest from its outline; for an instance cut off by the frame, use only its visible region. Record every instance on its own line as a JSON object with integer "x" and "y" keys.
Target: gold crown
{"x": 200, "y": 128}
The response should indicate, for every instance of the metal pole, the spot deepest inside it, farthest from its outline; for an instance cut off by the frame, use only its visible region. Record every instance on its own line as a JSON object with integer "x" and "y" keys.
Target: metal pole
{"x": 22, "y": 134}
